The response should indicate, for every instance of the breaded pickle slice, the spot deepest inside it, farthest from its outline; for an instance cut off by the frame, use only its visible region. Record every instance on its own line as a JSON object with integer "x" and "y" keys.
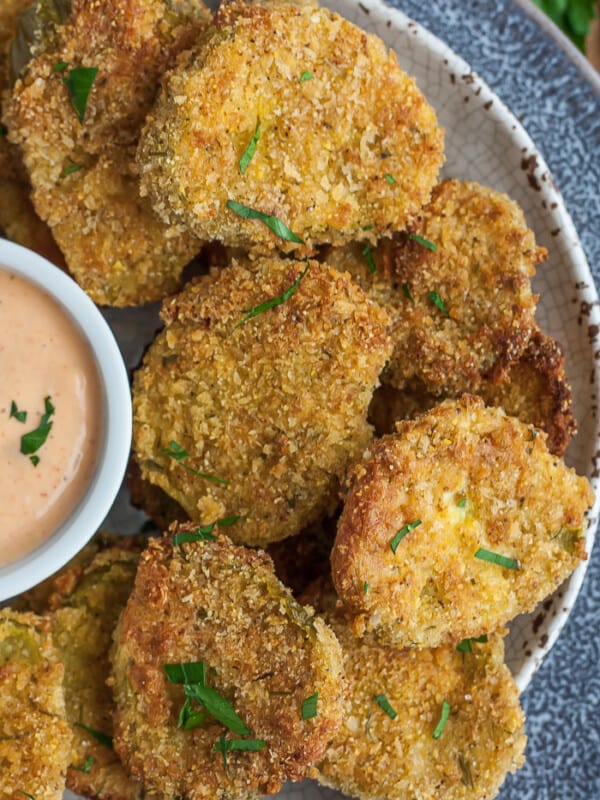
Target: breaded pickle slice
{"x": 35, "y": 739}
{"x": 457, "y": 287}
{"x": 534, "y": 389}
{"x": 252, "y": 408}
{"x": 254, "y": 666}
{"x": 388, "y": 747}
{"x": 87, "y": 606}
{"x": 457, "y": 523}
{"x": 343, "y": 145}
{"x": 76, "y": 111}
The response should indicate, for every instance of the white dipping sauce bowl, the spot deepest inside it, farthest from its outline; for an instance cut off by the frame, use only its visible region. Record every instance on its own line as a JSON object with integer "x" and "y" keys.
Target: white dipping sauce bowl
{"x": 115, "y": 441}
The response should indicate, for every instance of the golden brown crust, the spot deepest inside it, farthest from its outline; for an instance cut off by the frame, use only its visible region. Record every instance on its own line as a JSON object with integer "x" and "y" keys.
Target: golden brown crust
{"x": 35, "y": 739}
{"x": 221, "y": 604}
{"x": 152, "y": 500}
{"x": 321, "y": 172}
{"x": 481, "y": 271}
{"x": 374, "y": 757}
{"x": 276, "y": 406}
{"x": 463, "y": 477}
{"x": 114, "y": 245}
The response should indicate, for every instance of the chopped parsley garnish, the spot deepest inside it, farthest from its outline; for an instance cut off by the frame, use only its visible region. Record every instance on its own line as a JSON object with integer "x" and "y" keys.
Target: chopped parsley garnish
{"x": 251, "y": 745}
{"x": 408, "y": 293}
{"x": 466, "y": 646}
{"x": 218, "y": 707}
{"x": 390, "y": 179}
{"x": 191, "y": 672}
{"x": 60, "y": 66}
{"x": 32, "y": 441}
{"x": 278, "y": 227}
{"x": 21, "y": 416}
{"x": 103, "y": 738}
{"x": 79, "y": 84}
{"x": 26, "y": 794}
{"x": 3, "y": 130}
{"x": 306, "y": 76}
{"x": 251, "y": 149}
{"x": 425, "y": 242}
{"x": 402, "y": 533}
{"x": 86, "y": 767}
{"x": 273, "y": 302}
{"x": 368, "y": 254}
{"x": 366, "y": 587}
{"x": 439, "y": 728}
{"x": 496, "y": 558}
{"x": 368, "y": 227}
{"x": 71, "y": 168}
{"x": 204, "y": 533}
{"x": 465, "y": 768}
{"x": 462, "y": 502}
{"x": 309, "y": 706}
{"x": 384, "y": 703}
{"x": 179, "y": 454}
{"x": 438, "y": 303}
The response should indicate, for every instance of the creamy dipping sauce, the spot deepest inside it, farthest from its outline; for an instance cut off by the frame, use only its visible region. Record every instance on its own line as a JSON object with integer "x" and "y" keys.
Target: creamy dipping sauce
{"x": 43, "y": 354}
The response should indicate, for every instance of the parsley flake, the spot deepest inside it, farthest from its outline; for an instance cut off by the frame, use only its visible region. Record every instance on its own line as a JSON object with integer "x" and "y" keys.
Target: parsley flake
{"x": 250, "y": 745}
{"x": 179, "y": 454}
{"x": 402, "y": 533}
{"x": 368, "y": 254}
{"x": 32, "y": 441}
{"x": 204, "y": 533}
{"x": 71, "y": 168}
{"x": 273, "y": 302}
{"x": 190, "y": 672}
{"x": 26, "y": 794}
{"x": 462, "y": 502}
{"x": 217, "y": 706}
{"x": 79, "y": 84}
{"x": 366, "y": 587}
{"x": 390, "y": 179}
{"x": 251, "y": 149}
{"x": 408, "y": 293}
{"x": 278, "y": 227}
{"x": 306, "y": 76}
{"x": 496, "y": 558}
{"x": 384, "y": 703}
{"x": 103, "y": 738}
{"x": 309, "y": 706}
{"x": 60, "y": 66}
{"x": 466, "y": 646}
{"x": 35, "y": 460}
{"x": 439, "y": 303}
{"x": 86, "y": 767}
{"x": 439, "y": 728}
{"x": 20, "y": 416}
{"x": 425, "y": 242}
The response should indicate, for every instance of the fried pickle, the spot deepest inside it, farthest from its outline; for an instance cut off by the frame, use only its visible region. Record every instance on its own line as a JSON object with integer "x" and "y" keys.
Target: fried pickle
{"x": 386, "y": 750}
{"x": 457, "y": 523}
{"x": 344, "y": 144}
{"x": 457, "y": 287}
{"x": 35, "y": 739}
{"x": 79, "y": 144}
{"x": 262, "y": 654}
{"x": 261, "y": 418}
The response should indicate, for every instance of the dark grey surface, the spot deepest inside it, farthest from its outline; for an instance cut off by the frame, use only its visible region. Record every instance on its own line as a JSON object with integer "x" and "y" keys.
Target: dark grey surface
{"x": 543, "y": 85}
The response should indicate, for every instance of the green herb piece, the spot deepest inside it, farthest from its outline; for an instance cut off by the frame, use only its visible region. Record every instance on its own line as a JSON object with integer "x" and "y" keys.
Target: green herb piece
{"x": 86, "y": 767}
{"x": 26, "y": 794}
{"x": 496, "y": 558}
{"x": 204, "y": 534}
{"x": 309, "y": 706}
{"x": 273, "y": 302}
{"x": 71, "y": 168}
{"x": 32, "y": 441}
{"x": 462, "y": 502}
{"x": 3, "y": 130}
{"x": 573, "y": 17}
{"x": 368, "y": 254}
{"x": 384, "y": 703}
{"x": 425, "y": 242}
{"x": 35, "y": 460}
{"x": 179, "y": 454}
{"x": 366, "y": 587}
{"x": 278, "y": 227}
{"x": 251, "y": 149}
{"x": 218, "y": 707}
{"x": 21, "y": 416}
{"x": 79, "y": 84}
{"x": 408, "y": 293}
{"x": 103, "y": 738}
{"x": 465, "y": 768}
{"x": 443, "y": 720}
{"x": 438, "y": 303}
{"x": 466, "y": 646}
{"x": 390, "y": 179}
{"x": 402, "y": 533}
{"x": 190, "y": 672}
{"x": 249, "y": 745}
{"x": 60, "y": 66}
{"x": 368, "y": 227}
{"x": 306, "y": 76}
{"x": 188, "y": 718}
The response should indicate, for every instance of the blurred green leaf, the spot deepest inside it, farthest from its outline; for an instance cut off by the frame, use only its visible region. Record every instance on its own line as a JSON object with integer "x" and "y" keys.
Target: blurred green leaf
{"x": 573, "y": 17}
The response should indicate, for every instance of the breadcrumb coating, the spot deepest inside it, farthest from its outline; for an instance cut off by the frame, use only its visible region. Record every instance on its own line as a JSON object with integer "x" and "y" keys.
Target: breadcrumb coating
{"x": 35, "y": 739}
{"x": 214, "y": 602}
{"x": 459, "y": 479}
{"x": 465, "y": 311}
{"x": 84, "y": 183}
{"x": 337, "y": 115}
{"x": 375, "y": 757}
{"x": 275, "y": 406}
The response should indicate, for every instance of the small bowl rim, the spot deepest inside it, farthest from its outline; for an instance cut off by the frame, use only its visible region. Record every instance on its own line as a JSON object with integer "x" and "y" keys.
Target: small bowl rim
{"x": 87, "y": 516}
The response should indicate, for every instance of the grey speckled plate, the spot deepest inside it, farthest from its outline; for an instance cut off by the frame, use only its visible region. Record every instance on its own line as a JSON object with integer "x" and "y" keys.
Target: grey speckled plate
{"x": 484, "y": 142}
